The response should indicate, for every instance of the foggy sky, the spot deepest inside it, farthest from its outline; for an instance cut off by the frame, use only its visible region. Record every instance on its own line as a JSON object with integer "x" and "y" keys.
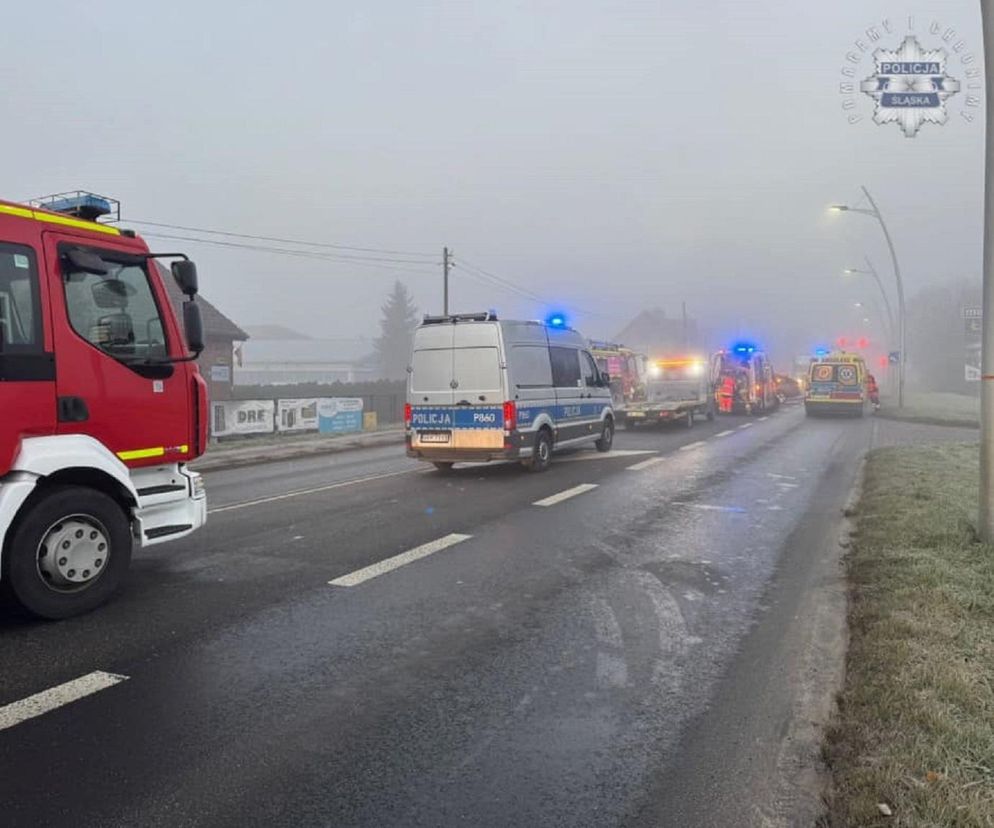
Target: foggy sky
{"x": 609, "y": 156}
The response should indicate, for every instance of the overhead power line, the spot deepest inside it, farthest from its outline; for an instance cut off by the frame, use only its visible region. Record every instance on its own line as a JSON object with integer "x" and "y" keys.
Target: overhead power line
{"x": 381, "y": 263}
{"x": 493, "y": 278}
{"x": 279, "y": 240}
{"x": 514, "y": 287}
{"x": 384, "y": 259}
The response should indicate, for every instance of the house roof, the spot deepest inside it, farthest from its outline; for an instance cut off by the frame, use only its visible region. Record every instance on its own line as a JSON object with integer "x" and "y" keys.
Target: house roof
{"x": 268, "y": 331}
{"x": 652, "y": 330}
{"x": 216, "y": 324}
{"x": 257, "y": 352}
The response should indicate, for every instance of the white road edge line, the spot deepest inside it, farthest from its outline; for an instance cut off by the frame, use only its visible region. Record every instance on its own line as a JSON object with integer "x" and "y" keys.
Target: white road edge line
{"x": 608, "y": 455}
{"x": 690, "y": 446}
{"x": 552, "y": 500}
{"x": 709, "y": 507}
{"x": 56, "y": 697}
{"x": 725, "y": 433}
{"x": 652, "y": 461}
{"x": 390, "y": 564}
{"x": 341, "y": 484}
{"x": 763, "y": 418}
{"x": 747, "y": 425}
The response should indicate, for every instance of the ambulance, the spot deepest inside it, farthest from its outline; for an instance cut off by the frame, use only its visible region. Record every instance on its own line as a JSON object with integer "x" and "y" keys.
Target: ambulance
{"x": 749, "y": 374}
{"x": 837, "y": 385}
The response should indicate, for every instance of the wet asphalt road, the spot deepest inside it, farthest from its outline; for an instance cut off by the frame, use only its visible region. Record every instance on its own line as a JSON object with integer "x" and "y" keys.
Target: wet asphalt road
{"x": 620, "y": 657}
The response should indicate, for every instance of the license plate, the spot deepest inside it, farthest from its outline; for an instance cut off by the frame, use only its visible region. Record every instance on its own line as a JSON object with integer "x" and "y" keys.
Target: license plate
{"x": 636, "y": 413}
{"x": 434, "y": 436}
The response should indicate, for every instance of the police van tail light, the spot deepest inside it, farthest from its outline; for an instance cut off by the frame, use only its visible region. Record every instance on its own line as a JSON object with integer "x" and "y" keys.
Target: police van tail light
{"x": 407, "y": 415}
{"x": 510, "y": 415}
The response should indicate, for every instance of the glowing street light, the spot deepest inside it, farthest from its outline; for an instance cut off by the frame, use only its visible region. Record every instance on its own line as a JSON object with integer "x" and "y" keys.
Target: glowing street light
{"x": 874, "y": 212}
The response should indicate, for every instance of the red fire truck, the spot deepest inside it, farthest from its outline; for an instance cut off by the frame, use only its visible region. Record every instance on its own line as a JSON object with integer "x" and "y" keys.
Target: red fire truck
{"x": 101, "y": 404}
{"x": 625, "y": 367}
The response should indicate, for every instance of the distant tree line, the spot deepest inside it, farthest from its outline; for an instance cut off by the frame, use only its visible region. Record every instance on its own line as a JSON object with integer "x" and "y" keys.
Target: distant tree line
{"x": 936, "y": 341}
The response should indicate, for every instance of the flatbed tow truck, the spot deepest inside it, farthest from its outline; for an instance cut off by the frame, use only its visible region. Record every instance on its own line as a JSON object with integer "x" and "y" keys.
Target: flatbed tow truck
{"x": 677, "y": 390}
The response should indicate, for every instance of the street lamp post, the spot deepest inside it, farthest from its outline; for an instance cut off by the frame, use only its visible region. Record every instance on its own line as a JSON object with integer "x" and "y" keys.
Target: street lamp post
{"x": 875, "y": 212}
{"x": 872, "y": 271}
{"x": 874, "y": 305}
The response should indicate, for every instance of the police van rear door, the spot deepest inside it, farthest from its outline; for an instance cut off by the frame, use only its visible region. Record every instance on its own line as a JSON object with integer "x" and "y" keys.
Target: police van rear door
{"x": 430, "y": 386}
{"x": 478, "y": 386}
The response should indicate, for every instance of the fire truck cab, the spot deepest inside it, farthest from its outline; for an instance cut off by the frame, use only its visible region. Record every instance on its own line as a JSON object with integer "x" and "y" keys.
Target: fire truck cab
{"x": 102, "y": 406}
{"x": 626, "y": 368}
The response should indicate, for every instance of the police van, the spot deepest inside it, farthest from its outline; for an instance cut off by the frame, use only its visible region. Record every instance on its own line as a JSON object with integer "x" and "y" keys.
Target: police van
{"x": 481, "y": 389}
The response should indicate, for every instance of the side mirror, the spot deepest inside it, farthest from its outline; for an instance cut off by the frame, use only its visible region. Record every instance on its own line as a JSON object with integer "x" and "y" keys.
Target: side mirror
{"x": 83, "y": 261}
{"x": 185, "y": 274}
{"x": 605, "y": 379}
{"x": 193, "y": 327}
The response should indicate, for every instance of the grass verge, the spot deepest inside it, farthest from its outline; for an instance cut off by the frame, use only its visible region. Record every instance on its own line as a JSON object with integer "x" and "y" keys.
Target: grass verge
{"x": 933, "y": 408}
{"x": 915, "y": 728}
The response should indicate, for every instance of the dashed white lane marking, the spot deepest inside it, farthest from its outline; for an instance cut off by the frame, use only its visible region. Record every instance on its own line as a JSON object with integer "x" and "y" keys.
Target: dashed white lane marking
{"x": 390, "y": 564}
{"x": 552, "y": 500}
{"x": 763, "y": 418}
{"x": 690, "y": 446}
{"x": 725, "y": 433}
{"x": 747, "y": 425}
{"x": 603, "y": 455}
{"x": 55, "y": 697}
{"x": 652, "y": 461}
{"x": 314, "y": 490}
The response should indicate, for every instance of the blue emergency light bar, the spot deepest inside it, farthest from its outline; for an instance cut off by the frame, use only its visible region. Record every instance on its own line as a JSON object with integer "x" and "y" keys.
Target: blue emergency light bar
{"x": 742, "y": 348}
{"x": 80, "y": 204}
{"x": 556, "y": 320}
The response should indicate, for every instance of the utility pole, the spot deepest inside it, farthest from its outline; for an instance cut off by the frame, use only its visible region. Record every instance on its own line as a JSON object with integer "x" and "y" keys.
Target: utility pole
{"x": 985, "y": 522}
{"x": 684, "y": 326}
{"x": 446, "y": 261}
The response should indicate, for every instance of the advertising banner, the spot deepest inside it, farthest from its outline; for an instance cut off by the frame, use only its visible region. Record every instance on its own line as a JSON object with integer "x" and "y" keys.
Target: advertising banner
{"x": 241, "y": 417}
{"x": 297, "y": 415}
{"x": 340, "y": 414}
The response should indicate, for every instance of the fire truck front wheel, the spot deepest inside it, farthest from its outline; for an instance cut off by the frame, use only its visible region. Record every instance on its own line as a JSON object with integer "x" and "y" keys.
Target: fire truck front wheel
{"x": 68, "y": 553}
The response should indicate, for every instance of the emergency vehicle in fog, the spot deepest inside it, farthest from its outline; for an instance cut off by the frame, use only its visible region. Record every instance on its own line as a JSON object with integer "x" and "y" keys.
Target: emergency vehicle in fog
{"x": 744, "y": 380}
{"x": 626, "y": 368}
{"x": 677, "y": 389}
{"x": 102, "y": 405}
{"x": 837, "y": 384}
{"x": 480, "y": 388}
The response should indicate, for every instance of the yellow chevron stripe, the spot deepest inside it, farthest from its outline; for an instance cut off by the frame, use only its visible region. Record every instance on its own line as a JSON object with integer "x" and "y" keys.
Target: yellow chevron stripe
{"x": 55, "y": 218}
{"x": 142, "y": 454}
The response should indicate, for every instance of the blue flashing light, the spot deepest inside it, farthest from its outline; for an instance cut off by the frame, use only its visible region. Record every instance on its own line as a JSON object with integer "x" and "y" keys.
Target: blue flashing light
{"x": 556, "y": 320}
{"x": 821, "y": 351}
{"x": 743, "y": 348}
